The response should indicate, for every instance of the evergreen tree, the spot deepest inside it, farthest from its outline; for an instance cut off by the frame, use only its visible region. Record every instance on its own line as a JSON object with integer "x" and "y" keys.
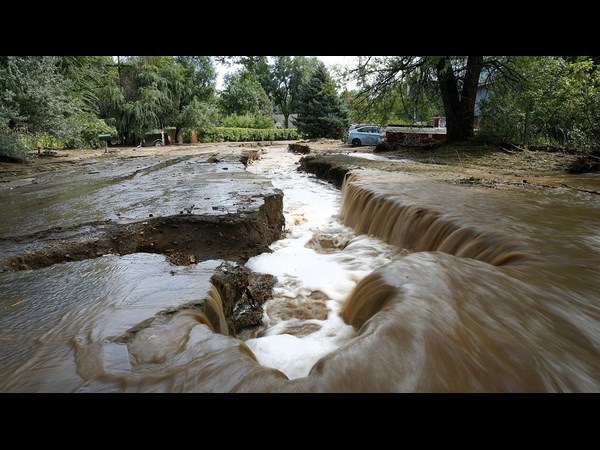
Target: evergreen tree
{"x": 321, "y": 111}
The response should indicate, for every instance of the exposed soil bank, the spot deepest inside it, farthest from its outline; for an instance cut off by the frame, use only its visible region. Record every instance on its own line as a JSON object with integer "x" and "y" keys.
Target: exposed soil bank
{"x": 191, "y": 206}
{"x": 471, "y": 164}
{"x": 330, "y": 168}
{"x": 188, "y": 208}
{"x": 185, "y": 239}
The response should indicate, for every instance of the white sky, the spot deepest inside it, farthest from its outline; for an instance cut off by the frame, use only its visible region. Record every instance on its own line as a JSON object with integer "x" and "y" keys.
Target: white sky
{"x": 329, "y": 61}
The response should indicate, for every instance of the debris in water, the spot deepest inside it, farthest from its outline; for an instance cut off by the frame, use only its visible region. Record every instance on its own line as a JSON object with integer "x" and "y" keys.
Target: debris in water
{"x": 190, "y": 209}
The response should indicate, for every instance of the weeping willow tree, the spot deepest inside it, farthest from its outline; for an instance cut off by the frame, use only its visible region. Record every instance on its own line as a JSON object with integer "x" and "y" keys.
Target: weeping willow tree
{"x": 192, "y": 80}
{"x": 149, "y": 92}
{"x": 86, "y": 75}
{"x": 135, "y": 98}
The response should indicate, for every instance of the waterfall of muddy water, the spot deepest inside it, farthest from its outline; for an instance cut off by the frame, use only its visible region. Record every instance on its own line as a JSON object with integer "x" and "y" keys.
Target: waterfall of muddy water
{"x": 317, "y": 265}
{"x": 500, "y": 290}
{"x": 476, "y": 290}
{"x": 60, "y": 332}
{"x": 501, "y": 294}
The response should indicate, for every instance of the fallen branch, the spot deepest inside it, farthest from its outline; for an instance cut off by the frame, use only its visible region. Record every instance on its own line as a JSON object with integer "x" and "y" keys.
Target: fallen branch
{"x": 580, "y": 190}
{"x": 509, "y": 147}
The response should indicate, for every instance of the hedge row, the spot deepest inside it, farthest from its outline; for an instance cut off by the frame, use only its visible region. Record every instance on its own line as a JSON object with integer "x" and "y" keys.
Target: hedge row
{"x": 220, "y": 134}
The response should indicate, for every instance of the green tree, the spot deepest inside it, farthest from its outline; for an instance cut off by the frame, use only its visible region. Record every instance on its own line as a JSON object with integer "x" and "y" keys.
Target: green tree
{"x": 33, "y": 94}
{"x": 146, "y": 92}
{"x": 191, "y": 84}
{"x": 290, "y": 74}
{"x": 397, "y": 106}
{"x": 282, "y": 80}
{"x": 244, "y": 95}
{"x": 321, "y": 112}
{"x": 456, "y": 79}
{"x": 263, "y": 72}
{"x": 33, "y": 99}
{"x": 555, "y": 102}
{"x": 141, "y": 98}
{"x": 86, "y": 76}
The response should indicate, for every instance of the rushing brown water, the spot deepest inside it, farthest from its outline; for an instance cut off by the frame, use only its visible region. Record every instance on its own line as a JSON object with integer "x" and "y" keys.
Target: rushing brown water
{"x": 498, "y": 291}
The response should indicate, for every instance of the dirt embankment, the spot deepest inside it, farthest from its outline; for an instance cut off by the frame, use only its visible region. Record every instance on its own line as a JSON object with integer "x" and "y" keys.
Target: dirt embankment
{"x": 185, "y": 236}
{"x": 243, "y": 217}
{"x": 449, "y": 161}
{"x": 472, "y": 164}
{"x": 184, "y": 239}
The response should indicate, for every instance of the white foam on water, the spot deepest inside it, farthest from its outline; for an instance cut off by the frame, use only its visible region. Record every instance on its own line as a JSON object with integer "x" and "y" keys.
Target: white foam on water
{"x": 303, "y": 267}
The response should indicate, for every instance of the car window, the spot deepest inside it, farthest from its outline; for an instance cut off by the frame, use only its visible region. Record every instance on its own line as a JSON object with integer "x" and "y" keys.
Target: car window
{"x": 367, "y": 130}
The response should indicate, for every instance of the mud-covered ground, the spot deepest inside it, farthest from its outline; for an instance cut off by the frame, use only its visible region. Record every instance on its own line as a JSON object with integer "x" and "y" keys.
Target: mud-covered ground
{"x": 189, "y": 203}
{"x": 488, "y": 166}
{"x": 477, "y": 164}
{"x": 60, "y": 159}
{"x": 451, "y": 162}
{"x": 142, "y": 231}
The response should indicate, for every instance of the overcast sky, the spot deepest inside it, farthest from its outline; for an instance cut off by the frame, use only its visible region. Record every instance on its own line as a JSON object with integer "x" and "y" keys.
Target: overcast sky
{"x": 329, "y": 61}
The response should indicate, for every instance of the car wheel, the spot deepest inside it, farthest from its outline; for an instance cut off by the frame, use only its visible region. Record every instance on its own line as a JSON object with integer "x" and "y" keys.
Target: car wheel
{"x": 158, "y": 143}
{"x": 356, "y": 142}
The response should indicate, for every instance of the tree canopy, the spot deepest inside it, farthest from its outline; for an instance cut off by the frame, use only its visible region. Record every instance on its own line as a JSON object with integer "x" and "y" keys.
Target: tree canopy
{"x": 455, "y": 79}
{"x": 67, "y": 101}
{"x": 555, "y": 102}
{"x": 33, "y": 94}
{"x": 244, "y": 95}
{"x": 282, "y": 80}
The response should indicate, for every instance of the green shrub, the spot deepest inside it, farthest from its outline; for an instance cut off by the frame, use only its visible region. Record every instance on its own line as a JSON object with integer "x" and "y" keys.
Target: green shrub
{"x": 12, "y": 148}
{"x": 91, "y": 127}
{"x": 225, "y": 134}
{"x": 186, "y": 135}
{"x": 247, "y": 121}
{"x": 83, "y": 132}
{"x": 41, "y": 140}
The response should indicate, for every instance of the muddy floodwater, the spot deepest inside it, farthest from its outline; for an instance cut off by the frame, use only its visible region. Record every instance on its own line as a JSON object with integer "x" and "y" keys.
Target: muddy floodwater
{"x": 396, "y": 283}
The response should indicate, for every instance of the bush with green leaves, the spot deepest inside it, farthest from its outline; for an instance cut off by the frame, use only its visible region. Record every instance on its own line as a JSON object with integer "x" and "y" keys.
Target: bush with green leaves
{"x": 85, "y": 131}
{"x": 247, "y": 121}
{"x": 555, "y": 103}
{"x": 42, "y": 140}
{"x": 224, "y": 134}
{"x": 12, "y": 148}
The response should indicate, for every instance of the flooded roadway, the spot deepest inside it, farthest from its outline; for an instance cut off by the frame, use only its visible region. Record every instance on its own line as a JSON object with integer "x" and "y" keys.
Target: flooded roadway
{"x": 459, "y": 288}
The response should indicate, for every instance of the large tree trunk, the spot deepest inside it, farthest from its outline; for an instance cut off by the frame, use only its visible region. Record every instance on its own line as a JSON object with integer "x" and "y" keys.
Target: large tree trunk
{"x": 459, "y": 106}
{"x": 286, "y": 120}
{"x": 179, "y": 135}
